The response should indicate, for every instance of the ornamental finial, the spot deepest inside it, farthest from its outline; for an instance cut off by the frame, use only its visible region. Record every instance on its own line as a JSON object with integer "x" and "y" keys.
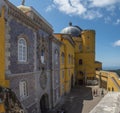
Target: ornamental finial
{"x": 23, "y": 2}
{"x": 70, "y": 23}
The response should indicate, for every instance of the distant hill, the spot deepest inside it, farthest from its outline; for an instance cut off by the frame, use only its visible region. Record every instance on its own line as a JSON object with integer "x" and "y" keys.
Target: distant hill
{"x": 111, "y": 68}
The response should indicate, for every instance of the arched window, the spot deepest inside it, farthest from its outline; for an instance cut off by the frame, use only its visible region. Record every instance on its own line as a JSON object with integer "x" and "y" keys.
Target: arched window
{"x": 23, "y": 89}
{"x": 56, "y": 56}
{"x": 42, "y": 56}
{"x": 63, "y": 57}
{"x": 80, "y": 62}
{"x": 22, "y": 50}
{"x": 80, "y": 47}
{"x": 69, "y": 58}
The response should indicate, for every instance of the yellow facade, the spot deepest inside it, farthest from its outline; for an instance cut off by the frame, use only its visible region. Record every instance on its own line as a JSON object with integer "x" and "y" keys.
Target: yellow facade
{"x": 82, "y": 50}
{"x": 66, "y": 64}
{"x": 85, "y": 56}
{"x": 3, "y": 81}
{"x": 108, "y": 80}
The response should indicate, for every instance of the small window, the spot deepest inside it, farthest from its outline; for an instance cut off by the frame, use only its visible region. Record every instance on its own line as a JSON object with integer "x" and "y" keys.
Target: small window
{"x": 22, "y": 50}
{"x": 57, "y": 78}
{"x": 56, "y": 57}
{"x": 69, "y": 59}
{"x": 69, "y": 73}
{"x": 42, "y": 56}
{"x": 63, "y": 74}
{"x": 81, "y": 73}
{"x": 63, "y": 57}
{"x": 23, "y": 89}
{"x": 80, "y": 47}
{"x": 80, "y": 62}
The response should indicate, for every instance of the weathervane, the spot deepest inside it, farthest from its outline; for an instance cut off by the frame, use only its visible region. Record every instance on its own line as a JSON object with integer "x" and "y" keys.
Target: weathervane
{"x": 23, "y": 2}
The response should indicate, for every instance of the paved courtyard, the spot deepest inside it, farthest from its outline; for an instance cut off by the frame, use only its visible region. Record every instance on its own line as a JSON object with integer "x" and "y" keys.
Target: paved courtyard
{"x": 80, "y": 100}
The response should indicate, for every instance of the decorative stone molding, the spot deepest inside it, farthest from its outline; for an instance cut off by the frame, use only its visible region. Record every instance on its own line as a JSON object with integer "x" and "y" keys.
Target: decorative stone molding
{"x": 15, "y": 12}
{"x": 43, "y": 80}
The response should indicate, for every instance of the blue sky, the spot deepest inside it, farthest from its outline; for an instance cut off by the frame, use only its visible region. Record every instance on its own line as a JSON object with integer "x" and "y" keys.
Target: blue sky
{"x": 100, "y": 15}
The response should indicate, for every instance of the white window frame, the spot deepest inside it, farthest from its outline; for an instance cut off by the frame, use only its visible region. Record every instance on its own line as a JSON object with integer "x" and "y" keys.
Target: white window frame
{"x": 22, "y": 50}
{"x": 42, "y": 56}
{"x": 23, "y": 89}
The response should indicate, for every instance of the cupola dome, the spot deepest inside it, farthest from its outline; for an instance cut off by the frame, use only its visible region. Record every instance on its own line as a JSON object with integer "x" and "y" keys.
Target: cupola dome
{"x": 75, "y": 31}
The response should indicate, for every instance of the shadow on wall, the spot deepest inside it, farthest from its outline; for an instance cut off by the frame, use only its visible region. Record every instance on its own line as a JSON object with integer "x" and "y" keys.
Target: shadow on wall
{"x": 74, "y": 100}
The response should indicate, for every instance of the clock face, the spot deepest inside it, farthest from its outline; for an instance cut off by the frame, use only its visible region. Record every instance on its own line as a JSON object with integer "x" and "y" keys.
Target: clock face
{"x": 43, "y": 80}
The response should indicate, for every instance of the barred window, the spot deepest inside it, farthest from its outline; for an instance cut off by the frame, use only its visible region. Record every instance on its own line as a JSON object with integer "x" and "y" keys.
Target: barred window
{"x": 23, "y": 89}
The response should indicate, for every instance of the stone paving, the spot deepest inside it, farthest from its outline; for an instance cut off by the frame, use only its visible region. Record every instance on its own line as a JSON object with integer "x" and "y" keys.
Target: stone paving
{"x": 80, "y": 100}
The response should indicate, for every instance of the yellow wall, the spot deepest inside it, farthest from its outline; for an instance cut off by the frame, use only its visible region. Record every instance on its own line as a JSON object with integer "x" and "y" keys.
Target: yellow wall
{"x": 87, "y": 53}
{"x": 68, "y": 66}
{"x": 111, "y": 78}
{"x": 3, "y": 82}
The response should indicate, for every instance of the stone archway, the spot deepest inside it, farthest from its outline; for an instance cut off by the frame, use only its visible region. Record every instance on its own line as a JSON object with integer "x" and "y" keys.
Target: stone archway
{"x": 44, "y": 103}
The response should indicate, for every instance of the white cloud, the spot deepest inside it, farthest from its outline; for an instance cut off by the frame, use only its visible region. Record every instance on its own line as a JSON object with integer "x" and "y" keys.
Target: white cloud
{"x": 92, "y": 14}
{"x": 87, "y": 9}
{"x": 103, "y": 3}
{"x": 107, "y": 19}
{"x": 117, "y": 43}
{"x": 70, "y": 6}
{"x": 117, "y": 21}
{"x": 50, "y": 7}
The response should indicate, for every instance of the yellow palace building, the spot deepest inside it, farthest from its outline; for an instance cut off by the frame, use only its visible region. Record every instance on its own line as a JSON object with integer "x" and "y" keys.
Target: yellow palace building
{"x": 77, "y": 57}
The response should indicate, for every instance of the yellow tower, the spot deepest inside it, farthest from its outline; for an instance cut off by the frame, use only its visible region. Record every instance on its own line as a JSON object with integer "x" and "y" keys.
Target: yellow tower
{"x": 85, "y": 57}
{"x": 3, "y": 81}
{"x": 88, "y": 54}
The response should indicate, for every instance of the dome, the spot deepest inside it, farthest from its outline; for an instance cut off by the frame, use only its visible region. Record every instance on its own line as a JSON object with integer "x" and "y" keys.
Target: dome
{"x": 73, "y": 30}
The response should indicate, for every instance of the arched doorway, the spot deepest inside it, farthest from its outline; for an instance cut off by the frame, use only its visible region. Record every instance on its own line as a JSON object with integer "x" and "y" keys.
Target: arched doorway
{"x": 44, "y": 104}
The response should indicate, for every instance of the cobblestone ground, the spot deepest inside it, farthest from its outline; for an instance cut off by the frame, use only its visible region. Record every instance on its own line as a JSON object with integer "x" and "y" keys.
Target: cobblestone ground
{"x": 80, "y": 100}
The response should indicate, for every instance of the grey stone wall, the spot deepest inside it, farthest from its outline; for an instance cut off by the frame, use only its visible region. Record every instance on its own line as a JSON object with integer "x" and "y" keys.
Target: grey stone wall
{"x": 55, "y": 74}
{"x": 43, "y": 42}
{"x": 30, "y": 100}
{"x": 16, "y": 29}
